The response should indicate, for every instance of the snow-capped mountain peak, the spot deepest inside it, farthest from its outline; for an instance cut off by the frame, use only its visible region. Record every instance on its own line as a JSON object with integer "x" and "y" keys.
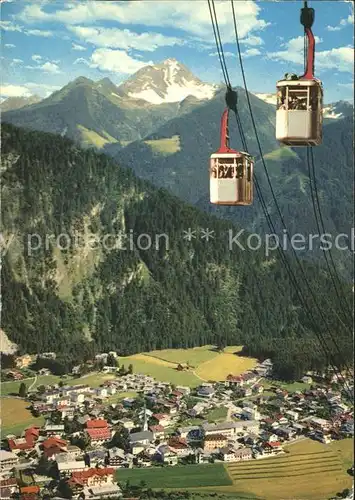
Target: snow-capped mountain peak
{"x": 167, "y": 82}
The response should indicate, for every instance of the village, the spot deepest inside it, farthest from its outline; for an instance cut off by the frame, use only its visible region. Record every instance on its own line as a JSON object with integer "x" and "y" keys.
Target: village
{"x": 90, "y": 435}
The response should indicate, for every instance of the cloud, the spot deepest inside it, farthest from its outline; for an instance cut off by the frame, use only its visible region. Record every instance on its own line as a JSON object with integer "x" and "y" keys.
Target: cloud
{"x": 343, "y": 23}
{"x": 124, "y": 39}
{"x": 50, "y": 67}
{"x": 341, "y": 59}
{"x": 178, "y": 15}
{"x": 9, "y": 26}
{"x": 333, "y": 28}
{"x": 251, "y": 53}
{"x": 226, "y": 54}
{"x": 253, "y": 40}
{"x": 75, "y": 46}
{"x": 27, "y": 89}
{"x": 14, "y": 91}
{"x": 42, "y": 33}
{"x": 116, "y": 61}
{"x": 10, "y": 45}
{"x": 36, "y": 57}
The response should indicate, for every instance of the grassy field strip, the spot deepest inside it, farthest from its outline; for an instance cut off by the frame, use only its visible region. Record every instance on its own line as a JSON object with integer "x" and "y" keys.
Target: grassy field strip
{"x": 153, "y": 359}
{"x": 172, "y": 477}
{"x": 293, "y": 466}
{"x": 285, "y": 460}
{"x": 286, "y": 476}
{"x": 194, "y": 356}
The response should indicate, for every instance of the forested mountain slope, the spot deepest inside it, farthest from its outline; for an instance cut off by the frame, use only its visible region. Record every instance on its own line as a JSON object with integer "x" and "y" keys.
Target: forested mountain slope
{"x": 70, "y": 295}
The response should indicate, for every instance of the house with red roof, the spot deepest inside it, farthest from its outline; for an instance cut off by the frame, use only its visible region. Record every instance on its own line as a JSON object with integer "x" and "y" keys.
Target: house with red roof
{"x": 32, "y": 433}
{"x": 26, "y": 442}
{"x": 234, "y": 381}
{"x": 91, "y": 478}
{"x": 163, "y": 419}
{"x": 53, "y": 446}
{"x": 158, "y": 431}
{"x": 99, "y": 423}
{"x": 272, "y": 447}
{"x": 30, "y": 490}
{"x": 177, "y": 394}
{"x": 98, "y": 431}
{"x": 179, "y": 446}
{"x": 99, "y": 436}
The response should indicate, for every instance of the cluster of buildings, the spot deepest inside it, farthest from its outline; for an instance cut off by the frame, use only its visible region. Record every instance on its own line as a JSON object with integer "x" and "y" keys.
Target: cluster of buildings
{"x": 90, "y": 433}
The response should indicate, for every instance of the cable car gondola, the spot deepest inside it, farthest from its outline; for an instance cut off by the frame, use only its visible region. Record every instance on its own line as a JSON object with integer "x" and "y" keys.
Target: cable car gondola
{"x": 299, "y": 113}
{"x": 231, "y": 172}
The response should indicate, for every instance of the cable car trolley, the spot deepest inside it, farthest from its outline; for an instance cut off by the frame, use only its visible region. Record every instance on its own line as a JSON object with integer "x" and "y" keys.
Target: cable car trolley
{"x": 231, "y": 172}
{"x": 299, "y": 114}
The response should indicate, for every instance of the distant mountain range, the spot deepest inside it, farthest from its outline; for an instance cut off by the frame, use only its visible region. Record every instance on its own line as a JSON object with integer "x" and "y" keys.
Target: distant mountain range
{"x": 12, "y": 103}
{"x": 99, "y": 114}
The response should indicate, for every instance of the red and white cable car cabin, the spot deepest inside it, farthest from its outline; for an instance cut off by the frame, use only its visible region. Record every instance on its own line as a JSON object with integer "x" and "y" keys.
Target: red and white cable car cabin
{"x": 231, "y": 172}
{"x": 299, "y": 114}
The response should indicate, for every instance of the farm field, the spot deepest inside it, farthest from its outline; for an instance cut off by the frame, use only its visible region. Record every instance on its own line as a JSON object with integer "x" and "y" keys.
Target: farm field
{"x": 311, "y": 471}
{"x": 194, "y": 356}
{"x": 171, "y": 477}
{"x": 160, "y": 370}
{"x": 15, "y": 417}
{"x": 206, "y": 364}
{"x": 223, "y": 364}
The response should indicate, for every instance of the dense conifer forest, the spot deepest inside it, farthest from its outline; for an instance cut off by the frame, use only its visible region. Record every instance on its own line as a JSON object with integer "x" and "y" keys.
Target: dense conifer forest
{"x": 77, "y": 299}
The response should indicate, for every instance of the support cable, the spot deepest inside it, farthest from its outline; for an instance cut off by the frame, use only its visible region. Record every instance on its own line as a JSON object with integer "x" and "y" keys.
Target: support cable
{"x": 321, "y": 230}
{"x": 271, "y": 188}
{"x": 267, "y": 215}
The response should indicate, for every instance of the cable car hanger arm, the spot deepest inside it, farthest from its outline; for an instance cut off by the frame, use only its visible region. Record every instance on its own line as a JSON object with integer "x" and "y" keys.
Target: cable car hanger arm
{"x": 231, "y": 102}
{"x": 307, "y": 20}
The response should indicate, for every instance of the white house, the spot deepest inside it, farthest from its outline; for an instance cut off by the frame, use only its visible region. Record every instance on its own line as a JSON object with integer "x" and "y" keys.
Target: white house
{"x": 227, "y": 455}
{"x": 8, "y": 460}
{"x": 294, "y": 415}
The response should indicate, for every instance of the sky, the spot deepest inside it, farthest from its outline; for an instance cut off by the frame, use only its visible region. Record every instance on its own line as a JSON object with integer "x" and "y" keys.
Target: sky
{"x": 46, "y": 44}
